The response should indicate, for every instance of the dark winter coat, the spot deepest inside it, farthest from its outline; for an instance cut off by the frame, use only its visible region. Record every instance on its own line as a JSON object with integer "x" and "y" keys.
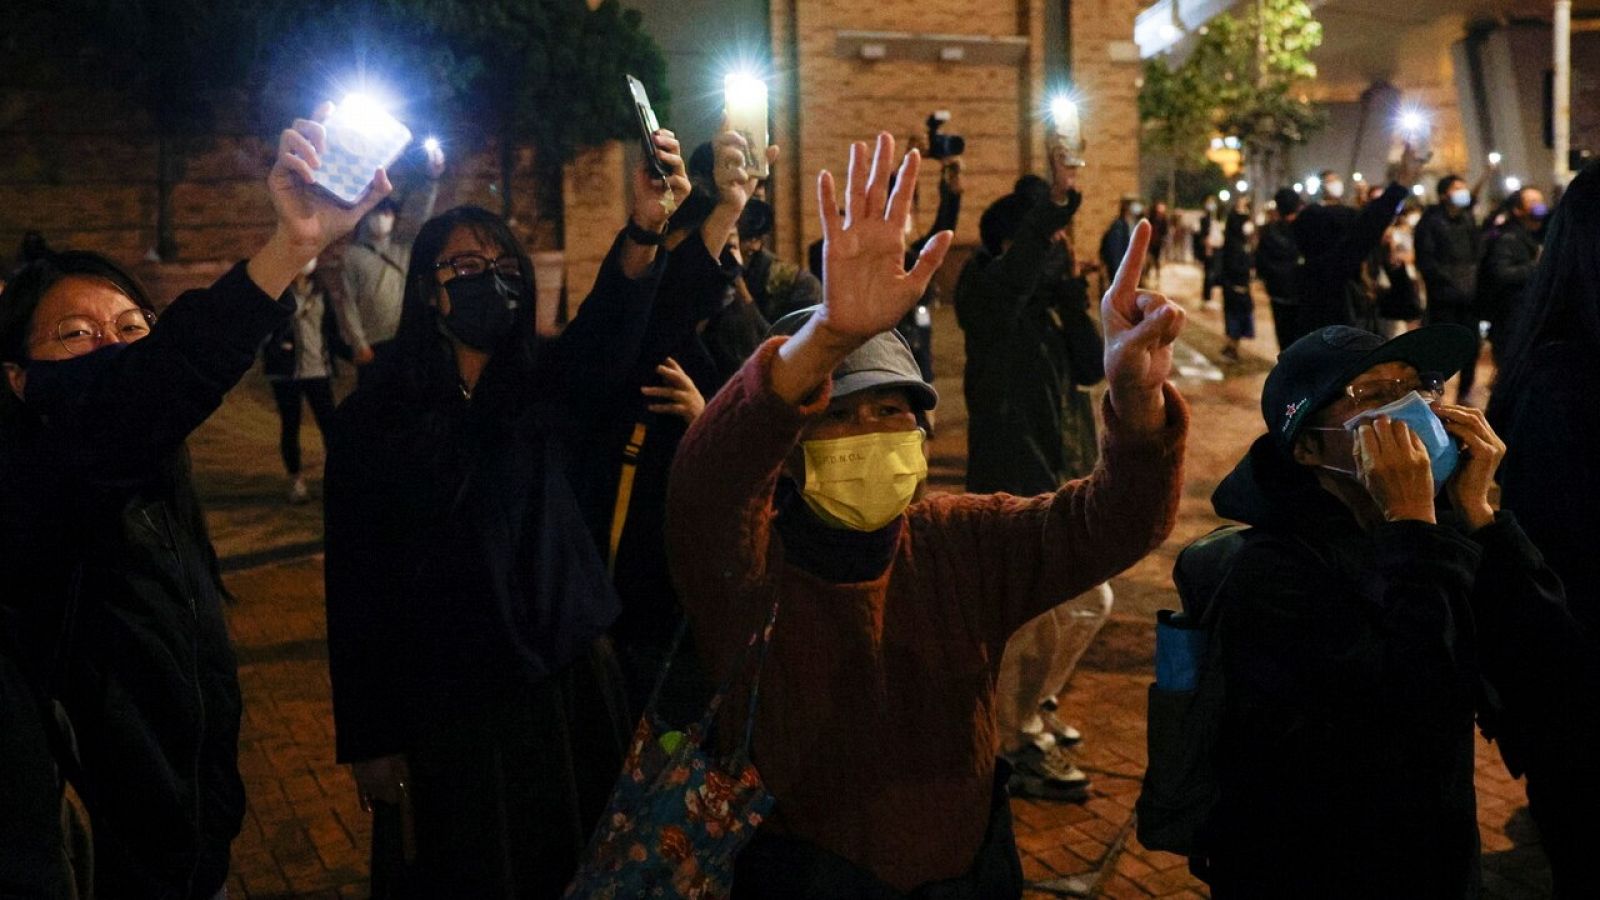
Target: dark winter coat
{"x": 1354, "y": 666}
{"x": 460, "y": 564}
{"x": 111, "y": 563}
{"x": 1114, "y": 244}
{"x": 1508, "y": 266}
{"x": 1449, "y": 248}
{"x": 1334, "y": 242}
{"x": 692, "y": 290}
{"x": 1277, "y": 257}
{"x": 1015, "y": 382}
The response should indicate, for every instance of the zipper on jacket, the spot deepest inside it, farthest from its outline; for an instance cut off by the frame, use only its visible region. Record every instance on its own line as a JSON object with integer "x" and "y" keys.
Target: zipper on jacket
{"x": 199, "y": 692}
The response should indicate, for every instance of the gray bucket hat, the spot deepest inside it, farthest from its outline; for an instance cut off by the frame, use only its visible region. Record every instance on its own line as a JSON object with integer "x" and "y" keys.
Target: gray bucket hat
{"x": 885, "y": 361}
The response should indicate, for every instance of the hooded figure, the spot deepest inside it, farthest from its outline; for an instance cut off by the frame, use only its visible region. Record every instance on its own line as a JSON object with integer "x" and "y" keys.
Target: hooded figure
{"x": 467, "y": 602}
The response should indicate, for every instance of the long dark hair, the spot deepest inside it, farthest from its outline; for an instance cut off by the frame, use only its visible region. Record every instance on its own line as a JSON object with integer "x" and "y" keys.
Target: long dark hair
{"x": 1562, "y": 302}
{"x": 22, "y": 295}
{"x": 420, "y": 367}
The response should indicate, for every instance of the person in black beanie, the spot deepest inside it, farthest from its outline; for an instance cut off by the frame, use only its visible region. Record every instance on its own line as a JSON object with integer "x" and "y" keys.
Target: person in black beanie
{"x": 1277, "y": 259}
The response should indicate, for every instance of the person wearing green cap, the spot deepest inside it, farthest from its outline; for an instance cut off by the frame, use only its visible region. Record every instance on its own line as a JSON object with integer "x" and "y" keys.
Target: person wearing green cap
{"x": 802, "y": 481}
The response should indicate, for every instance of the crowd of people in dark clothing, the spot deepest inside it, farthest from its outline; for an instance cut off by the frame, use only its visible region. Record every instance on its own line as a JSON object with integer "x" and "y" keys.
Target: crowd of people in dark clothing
{"x": 711, "y": 485}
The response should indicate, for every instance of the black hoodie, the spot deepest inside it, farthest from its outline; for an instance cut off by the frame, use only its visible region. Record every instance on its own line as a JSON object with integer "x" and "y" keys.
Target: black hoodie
{"x": 1354, "y": 663}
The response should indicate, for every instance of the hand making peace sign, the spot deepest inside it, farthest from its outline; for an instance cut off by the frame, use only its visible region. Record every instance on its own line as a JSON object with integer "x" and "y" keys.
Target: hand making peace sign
{"x": 1140, "y": 327}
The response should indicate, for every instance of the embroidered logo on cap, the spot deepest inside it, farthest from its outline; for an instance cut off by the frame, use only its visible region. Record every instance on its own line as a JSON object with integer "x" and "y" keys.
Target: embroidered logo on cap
{"x": 1289, "y": 411}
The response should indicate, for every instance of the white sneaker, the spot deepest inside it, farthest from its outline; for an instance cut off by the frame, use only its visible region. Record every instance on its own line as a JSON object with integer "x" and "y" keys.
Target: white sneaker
{"x": 298, "y": 493}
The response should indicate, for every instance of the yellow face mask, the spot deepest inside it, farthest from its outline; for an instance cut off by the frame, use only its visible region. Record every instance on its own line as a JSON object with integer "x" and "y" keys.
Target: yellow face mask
{"x": 864, "y": 482}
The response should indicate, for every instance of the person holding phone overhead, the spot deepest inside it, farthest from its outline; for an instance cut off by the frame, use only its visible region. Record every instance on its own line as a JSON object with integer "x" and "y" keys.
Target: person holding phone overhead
{"x": 111, "y": 580}
{"x": 475, "y": 693}
{"x": 799, "y": 484}
{"x": 373, "y": 269}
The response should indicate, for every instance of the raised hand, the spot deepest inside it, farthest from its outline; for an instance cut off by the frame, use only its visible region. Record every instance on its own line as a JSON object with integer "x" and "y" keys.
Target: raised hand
{"x": 735, "y": 184}
{"x": 1481, "y": 453}
{"x": 866, "y": 287}
{"x": 677, "y": 396}
{"x": 1140, "y": 327}
{"x": 1392, "y": 464}
{"x": 308, "y": 219}
{"x": 655, "y": 199}
{"x": 435, "y": 156}
{"x": 1063, "y": 174}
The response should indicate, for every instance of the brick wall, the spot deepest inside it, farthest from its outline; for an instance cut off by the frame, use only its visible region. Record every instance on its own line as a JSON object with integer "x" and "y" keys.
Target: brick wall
{"x": 81, "y": 168}
{"x": 821, "y": 102}
{"x": 594, "y": 194}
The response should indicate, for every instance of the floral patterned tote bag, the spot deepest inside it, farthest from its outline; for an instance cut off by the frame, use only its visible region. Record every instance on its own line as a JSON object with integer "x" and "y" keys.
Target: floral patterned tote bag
{"x": 679, "y": 815}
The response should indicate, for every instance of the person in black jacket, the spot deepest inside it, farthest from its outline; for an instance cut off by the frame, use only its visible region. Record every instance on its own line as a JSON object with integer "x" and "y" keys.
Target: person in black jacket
{"x": 1277, "y": 258}
{"x": 1114, "y": 243}
{"x": 1354, "y": 622}
{"x": 1449, "y": 250}
{"x": 111, "y": 578}
{"x": 475, "y": 694}
{"x": 298, "y": 360}
{"x": 1508, "y": 266}
{"x": 1334, "y": 241}
{"x": 660, "y": 399}
{"x": 1544, "y": 402}
{"x": 1238, "y": 307}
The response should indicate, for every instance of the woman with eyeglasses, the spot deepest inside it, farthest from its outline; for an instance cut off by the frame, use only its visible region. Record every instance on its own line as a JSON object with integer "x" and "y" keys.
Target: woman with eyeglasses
{"x": 475, "y": 694}
{"x": 112, "y": 587}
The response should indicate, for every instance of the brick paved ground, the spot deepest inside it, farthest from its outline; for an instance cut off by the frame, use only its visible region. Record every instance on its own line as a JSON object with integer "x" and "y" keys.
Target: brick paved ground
{"x": 305, "y": 835}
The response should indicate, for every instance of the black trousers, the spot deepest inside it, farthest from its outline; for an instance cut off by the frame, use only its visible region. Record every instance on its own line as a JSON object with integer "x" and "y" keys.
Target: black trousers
{"x": 1284, "y": 324}
{"x": 319, "y": 393}
{"x": 1459, "y": 314}
{"x": 505, "y": 793}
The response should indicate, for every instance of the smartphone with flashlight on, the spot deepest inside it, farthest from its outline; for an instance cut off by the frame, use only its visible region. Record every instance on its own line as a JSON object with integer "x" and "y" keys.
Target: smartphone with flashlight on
{"x": 745, "y": 108}
{"x": 1413, "y": 129}
{"x": 648, "y": 126}
{"x": 361, "y": 138}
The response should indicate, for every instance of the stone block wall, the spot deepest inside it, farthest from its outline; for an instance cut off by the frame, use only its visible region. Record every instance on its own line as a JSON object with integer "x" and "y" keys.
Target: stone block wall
{"x": 81, "y": 168}
{"x": 821, "y": 102}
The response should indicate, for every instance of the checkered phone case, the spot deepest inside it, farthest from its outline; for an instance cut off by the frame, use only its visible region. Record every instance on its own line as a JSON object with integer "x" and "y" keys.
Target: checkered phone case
{"x": 357, "y": 146}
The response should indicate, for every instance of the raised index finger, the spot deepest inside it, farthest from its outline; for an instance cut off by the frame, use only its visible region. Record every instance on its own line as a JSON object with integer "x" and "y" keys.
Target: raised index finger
{"x": 1124, "y": 290}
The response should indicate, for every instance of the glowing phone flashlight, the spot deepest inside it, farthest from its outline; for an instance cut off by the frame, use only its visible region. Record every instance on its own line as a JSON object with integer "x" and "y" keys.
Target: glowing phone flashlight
{"x": 745, "y": 100}
{"x": 361, "y": 138}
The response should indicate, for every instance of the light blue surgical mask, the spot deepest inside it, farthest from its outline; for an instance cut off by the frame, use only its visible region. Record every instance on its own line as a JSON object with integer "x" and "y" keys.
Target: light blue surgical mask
{"x": 1415, "y": 412}
{"x": 1461, "y": 197}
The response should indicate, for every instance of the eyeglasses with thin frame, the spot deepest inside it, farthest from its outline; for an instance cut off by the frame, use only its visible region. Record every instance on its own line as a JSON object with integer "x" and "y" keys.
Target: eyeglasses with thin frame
{"x": 467, "y": 264}
{"x": 1381, "y": 391}
{"x": 81, "y": 334}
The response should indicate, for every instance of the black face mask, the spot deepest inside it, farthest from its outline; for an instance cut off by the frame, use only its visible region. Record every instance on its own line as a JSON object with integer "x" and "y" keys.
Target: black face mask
{"x": 55, "y": 384}
{"x": 483, "y": 309}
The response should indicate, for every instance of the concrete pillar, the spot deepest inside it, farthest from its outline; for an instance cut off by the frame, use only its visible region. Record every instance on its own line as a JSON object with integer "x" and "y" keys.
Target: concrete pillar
{"x": 1561, "y": 102}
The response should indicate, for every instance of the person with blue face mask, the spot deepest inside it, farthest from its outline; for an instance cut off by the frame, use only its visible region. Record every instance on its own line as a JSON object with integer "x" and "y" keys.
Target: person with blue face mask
{"x": 1449, "y": 246}
{"x": 1374, "y": 579}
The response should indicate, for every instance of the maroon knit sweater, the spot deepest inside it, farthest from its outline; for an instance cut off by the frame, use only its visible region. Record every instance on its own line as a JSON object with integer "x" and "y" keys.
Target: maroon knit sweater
{"x": 876, "y": 731}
